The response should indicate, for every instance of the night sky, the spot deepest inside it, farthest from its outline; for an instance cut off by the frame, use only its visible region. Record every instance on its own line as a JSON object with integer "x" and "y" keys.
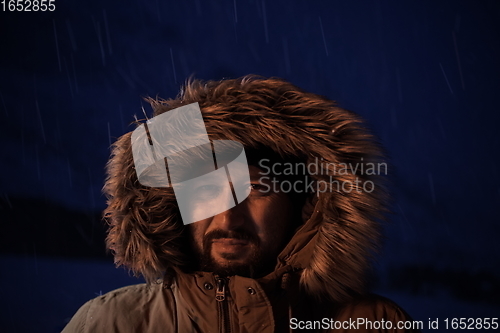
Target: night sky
{"x": 424, "y": 74}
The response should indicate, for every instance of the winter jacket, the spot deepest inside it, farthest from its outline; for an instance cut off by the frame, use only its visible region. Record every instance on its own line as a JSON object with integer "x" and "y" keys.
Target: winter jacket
{"x": 318, "y": 282}
{"x": 195, "y": 305}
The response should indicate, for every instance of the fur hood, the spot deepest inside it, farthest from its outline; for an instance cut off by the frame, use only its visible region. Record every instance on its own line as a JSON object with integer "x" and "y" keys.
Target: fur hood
{"x": 331, "y": 251}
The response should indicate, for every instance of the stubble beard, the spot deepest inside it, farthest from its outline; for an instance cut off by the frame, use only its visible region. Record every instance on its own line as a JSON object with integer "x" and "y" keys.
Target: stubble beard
{"x": 254, "y": 265}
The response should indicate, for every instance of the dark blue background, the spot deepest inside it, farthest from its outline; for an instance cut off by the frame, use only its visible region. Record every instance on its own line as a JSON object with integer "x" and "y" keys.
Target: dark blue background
{"x": 425, "y": 75}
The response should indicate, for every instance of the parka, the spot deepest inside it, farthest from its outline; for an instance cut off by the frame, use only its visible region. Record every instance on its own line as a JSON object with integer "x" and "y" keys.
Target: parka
{"x": 318, "y": 283}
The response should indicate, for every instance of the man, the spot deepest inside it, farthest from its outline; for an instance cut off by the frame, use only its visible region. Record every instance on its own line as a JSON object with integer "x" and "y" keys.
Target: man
{"x": 291, "y": 256}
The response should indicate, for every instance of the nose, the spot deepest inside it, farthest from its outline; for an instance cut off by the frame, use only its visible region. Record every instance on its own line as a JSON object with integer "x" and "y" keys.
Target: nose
{"x": 230, "y": 219}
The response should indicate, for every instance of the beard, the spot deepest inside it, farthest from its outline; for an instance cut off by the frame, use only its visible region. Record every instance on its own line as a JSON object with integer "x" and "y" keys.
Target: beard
{"x": 254, "y": 266}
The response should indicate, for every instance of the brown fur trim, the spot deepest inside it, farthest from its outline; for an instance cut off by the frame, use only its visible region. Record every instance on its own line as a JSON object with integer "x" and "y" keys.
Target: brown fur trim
{"x": 145, "y": 231}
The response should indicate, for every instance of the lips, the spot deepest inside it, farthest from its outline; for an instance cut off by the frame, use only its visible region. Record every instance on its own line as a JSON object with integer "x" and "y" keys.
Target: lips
{"x": 230, "y": 242}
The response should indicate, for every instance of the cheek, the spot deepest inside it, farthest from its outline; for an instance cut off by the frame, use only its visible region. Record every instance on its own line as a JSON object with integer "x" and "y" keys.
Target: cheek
{"x": 272, "y": 218}
{"x": 197, "y": 231}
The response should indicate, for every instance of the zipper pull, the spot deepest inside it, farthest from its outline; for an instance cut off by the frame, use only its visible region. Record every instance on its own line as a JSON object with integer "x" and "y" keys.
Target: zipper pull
{"x": 220, "y": 293}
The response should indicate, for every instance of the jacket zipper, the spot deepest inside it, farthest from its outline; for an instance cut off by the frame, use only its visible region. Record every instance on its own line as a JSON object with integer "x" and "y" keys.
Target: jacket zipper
{"x": 220, "y": 296}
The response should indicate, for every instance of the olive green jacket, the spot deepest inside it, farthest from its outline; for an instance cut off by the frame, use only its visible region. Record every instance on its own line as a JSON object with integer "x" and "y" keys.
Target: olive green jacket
{"x": 201, "y": 303}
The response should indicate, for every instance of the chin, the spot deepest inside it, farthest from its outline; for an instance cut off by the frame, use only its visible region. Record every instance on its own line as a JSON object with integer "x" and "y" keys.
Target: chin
{"x": 250, "y": 264}
{"x": 230, "y": 258}
{"x": 232, "y": 269}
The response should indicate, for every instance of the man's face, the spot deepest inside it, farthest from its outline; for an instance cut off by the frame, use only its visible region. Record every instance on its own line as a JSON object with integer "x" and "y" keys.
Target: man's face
{"x": 246, "y": 239}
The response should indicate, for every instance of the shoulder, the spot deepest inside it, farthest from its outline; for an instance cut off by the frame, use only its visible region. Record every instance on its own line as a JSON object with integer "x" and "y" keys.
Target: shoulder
{"x": 374, "y": 313}
{"x": 130, "y": 297}
{"x": 128, "y": 309}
